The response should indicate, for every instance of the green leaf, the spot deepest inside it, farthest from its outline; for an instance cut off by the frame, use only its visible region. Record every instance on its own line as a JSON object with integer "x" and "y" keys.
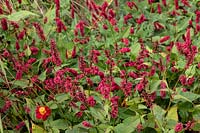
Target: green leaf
{"x": 27, "y": 51}
{"x": 128, "y": 125}
{"x": 59, "y": 124}
{"x": 191, "y": 70}
{"x": 118, "y": 81}
{"x": 3, "y": 67}
{"x": 16, "y": 16}
{"x": 22, "y": 83}
{"x": 154, "y": 85}
{"x": 62, "y": 97}
{"x": 55, "y": 130}
{"x": 188, "y": 96}
{"x": 1, "y": 125}
{"x": 181, "y": 64}
{"x": 196, "y": 127}
{"x": 126, "y": 33}
{"x": 135, "y": 49}
{"x": 158, "y": 113}
{"x": 196, "y": 114}
{"x": 37, "y": 129}
{"x": 98, "y": 114}
{"x": 172, "y": 113}
{"x": 42, "y": 76}
{"x": 52, "y": 105}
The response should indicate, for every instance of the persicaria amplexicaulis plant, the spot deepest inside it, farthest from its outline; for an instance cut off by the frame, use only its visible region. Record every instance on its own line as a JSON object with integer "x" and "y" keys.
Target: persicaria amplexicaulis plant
{"x": 100, "y": 66}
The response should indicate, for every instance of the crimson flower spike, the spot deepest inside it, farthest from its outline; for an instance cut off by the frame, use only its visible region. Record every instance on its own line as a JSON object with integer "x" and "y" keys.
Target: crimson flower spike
{"x": 185, "y": 3}
{"x": 176, "y": 4}
{"x": 188, "y": 39}
{"x": 57, "y": 3}
{"x": 116, "y": 3}
{"x": 8, "y": 5}
{"x": 159, "y": 9}
{"x": 60, "y": 25}
{"x": 165, "y": 38}
{"x": 4, "y": 24}
{"x": 72, "y": 11}
{"x": 164, "y": 2}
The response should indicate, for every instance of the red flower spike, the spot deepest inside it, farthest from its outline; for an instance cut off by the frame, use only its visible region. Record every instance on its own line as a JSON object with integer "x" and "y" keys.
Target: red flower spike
{"x": 91, "y": 101}
{"x": 178, "y": 127}
{"x": 57, "y": 3}
{"x": 4, "y": 24}
{"x": 86, "y": 124}
{"x": 72, "y": 11}
{"x": 139, "y": 127}
{"x": 131, "y": 4}
{"x": 127, "y": 17}
{"x": 176, "y": 4}
{"x": 19, "y": 1}
{"x": 185, "y": 3}
{"x": 19, "y": 75}
{"x": 164, "y": 2}
{"x": 60, "y": 25}
{"x": 74, "y": 52}
{"x": 165, "y": 38}
{"x": 188, "y": 39}
{"x": 21, "y": 34}
{"x": 116, "y": 3}
{"x": 17, "y": 46}
{"x": 20, "y": 125}
{"x": 8, "y": 5}
{"x": 42, "y": 112}
{"x": 125, "y": 50}
{"x": 14, "y": 24}
{"x": 132, "y": 30}
{"x": 159, "y": 9}
{"x": 141, "y": 19}
{"x": 1, "y": 10}
{"x": 39, "y": 31}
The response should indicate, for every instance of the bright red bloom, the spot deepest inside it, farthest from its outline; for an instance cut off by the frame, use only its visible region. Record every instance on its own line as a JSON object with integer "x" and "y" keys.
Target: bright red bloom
{"x": 132, "y": 30}
{"x": 165, "y": 38}
{"x": 79, "y": 114}
{"x": 4, "y": 24}
{"x": 127, "y": 17}
{"x": 164, "y": 2}
{"x": 86, "y": 124}
{"x": 39, "y": 31}
{"x": 185, "y": 3}
{"x": 141, "y": 19}
{"x": 17, "y": 46}
{"x": 159, "y": 9}
{"x": 176, "y": 4}
{"x": 105, "y": 27}
{"x": 80, "y": 26}
{"x": 125, "y": 50}
{"x": 131, "y": 4}
{"x": 57, "y": 3}
{"x": 19, "y": 1}
{"x": 60, "y": 25}
{"x": 72, "y": 11}
{"x": 158, "y": 26}
{"x": 1, "y": 10}
{"x": 139, "y": 127}
{"x": 20, "y": 125}
{"x": 91, "y": 101}
{"x": 178, "y": 127}
{"x": 8, "y": 5}
{"x": 42, "y": 112}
